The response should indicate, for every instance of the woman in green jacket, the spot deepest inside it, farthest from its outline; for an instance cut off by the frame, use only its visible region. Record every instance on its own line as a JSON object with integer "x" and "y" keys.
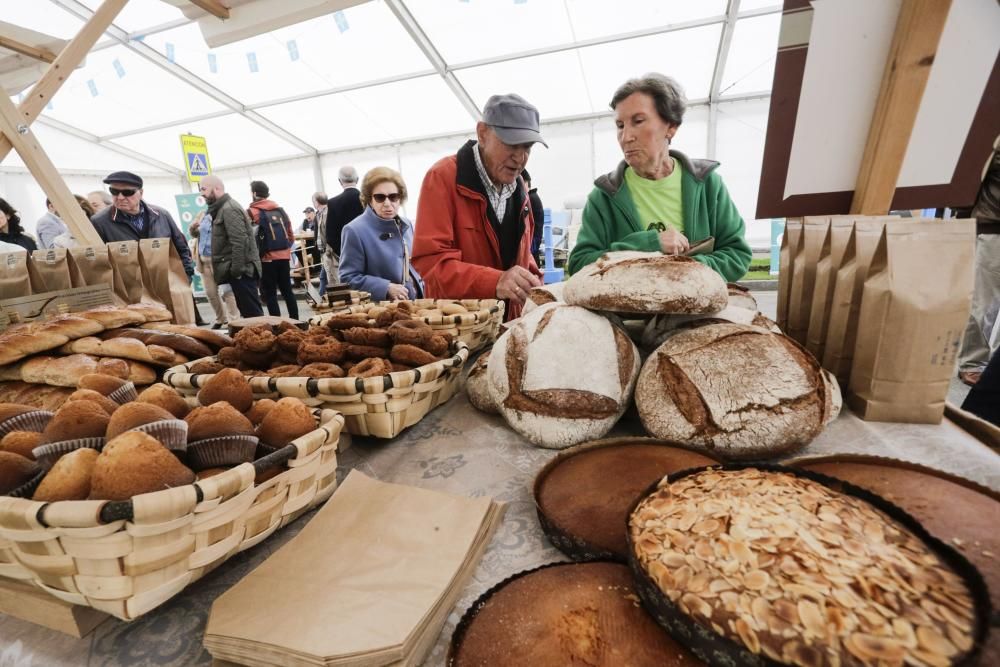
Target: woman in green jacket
{"x": 659, "y": 199}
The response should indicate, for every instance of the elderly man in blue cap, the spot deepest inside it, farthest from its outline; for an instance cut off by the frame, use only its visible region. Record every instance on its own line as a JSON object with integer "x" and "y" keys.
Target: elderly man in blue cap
{"x": 129, "y": 218}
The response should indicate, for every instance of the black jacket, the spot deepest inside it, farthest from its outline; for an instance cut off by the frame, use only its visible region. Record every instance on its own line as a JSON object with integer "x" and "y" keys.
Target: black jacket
{"x": 22, "y": 240}
{"x": 159, "y": 225}
{"x": 341, "y": 210}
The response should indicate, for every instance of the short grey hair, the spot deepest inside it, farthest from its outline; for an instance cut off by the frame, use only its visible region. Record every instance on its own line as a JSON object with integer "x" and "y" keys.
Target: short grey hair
{"x": 105, "y": 197}
{"x": 668, "y": 96}
{"x": 347, "y": 175}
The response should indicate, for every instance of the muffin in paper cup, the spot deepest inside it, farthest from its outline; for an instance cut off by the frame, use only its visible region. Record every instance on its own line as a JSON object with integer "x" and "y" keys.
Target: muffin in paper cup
{"x": 36, "y": 421}
{"x": 226, "y": 450}
{"x": 124, "y": 394}
{"x": 48, "y": 454}
{"x": 172, "y": 433}
{"x": 27, "y": 489}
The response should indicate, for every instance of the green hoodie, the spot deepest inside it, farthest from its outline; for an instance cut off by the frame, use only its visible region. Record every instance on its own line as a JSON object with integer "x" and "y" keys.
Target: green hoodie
{"x": 610, "y": 220}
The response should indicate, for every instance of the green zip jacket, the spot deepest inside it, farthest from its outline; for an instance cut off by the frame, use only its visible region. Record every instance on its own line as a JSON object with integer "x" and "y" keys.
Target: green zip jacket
{"x": 610, "y": 220}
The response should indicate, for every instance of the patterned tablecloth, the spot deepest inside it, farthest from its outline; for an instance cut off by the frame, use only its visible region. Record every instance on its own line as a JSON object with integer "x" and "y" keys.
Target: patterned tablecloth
{"x": 457, "y": 450}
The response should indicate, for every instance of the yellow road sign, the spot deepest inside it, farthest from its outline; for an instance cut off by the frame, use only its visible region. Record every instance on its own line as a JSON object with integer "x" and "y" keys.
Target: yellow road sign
{"x": 196, "y": 162}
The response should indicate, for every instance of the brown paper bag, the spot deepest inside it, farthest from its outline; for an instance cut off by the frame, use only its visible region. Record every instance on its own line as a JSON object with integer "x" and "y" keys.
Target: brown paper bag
{"x": 128, "y": 272}
{"x": 803, "y": 264}
{"x": 92, "y": 266}
{"x": 164, "y": 277}
{"x": 14, "y": 276}
{"x": 831, "y": 257}
{"x": 914, "y": 309}
{"x": 52, "y": 270}
{"x": 786, "y": 258}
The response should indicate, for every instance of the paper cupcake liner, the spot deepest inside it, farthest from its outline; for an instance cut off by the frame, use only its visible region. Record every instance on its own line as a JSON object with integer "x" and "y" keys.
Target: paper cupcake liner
{"x": 227, "y": 450}
{"x": 48, "y": 454}
{"x": 172, "y": 433}
{"x": 124, "y": 394}
{"x": 27, "y": 489}
{"x": 36, "y": 421}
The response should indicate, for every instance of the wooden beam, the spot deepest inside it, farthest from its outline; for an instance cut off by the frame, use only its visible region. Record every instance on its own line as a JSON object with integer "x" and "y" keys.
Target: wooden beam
{"x": 914, "y": 46}
{"x": 213, "y": 7}
{"x": 63, "y": 65}
{"x": 41, "y": 167}
{"x": 36, "y": 52}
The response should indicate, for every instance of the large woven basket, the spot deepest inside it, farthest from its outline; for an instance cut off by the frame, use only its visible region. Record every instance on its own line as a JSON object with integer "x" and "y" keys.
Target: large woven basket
{"x": 379, "y": 406}
{"x": 477, "y": 328}
{"x": 126, "y": 558}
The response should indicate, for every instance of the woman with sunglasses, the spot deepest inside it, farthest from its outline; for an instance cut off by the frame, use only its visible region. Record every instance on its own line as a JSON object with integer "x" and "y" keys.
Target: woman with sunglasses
{"x": 375, "y": 247}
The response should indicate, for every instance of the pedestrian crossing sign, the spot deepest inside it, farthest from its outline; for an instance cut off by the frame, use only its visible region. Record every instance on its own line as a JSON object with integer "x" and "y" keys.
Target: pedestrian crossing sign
{"x": 196, "y": 161}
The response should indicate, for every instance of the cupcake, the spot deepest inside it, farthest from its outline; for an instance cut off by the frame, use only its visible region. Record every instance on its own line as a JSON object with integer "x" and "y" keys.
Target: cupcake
{"x": 288, "y": 420}
{"x": 15, "y": 472}
{"x": 230, "y": 386}
{"x": 97, "y": 397}
{"x": 131, "y": 416}
{"x": 114, "y": 387}
{"x": 219, "y": 436}
{"x": 76, "y": 424}
{"x": 21, "y": 442}
{"x": 18, "y": 417}
{"x": 69, "y": 478}
{"x": 216, "y": 420}
{"x": 165, "y": 397}
{"x": 134, "y": 463}
{"x": 259, "y": 410}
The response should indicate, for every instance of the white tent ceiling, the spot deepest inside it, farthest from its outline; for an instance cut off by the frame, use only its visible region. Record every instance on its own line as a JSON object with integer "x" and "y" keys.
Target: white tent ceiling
{"x": 383, "y": 72}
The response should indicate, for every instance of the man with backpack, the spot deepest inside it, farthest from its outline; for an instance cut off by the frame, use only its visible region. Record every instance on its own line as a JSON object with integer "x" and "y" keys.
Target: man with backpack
{"x": 235, "y": 260}
{"x": 274, "y": 240}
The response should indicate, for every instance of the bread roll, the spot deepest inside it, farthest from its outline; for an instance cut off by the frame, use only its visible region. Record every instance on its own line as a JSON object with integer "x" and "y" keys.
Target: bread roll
{"x": 734, "y": 391}
{"x": 179, "y": 343}
{"x": 477, "y": 385}
{"x": 69, "y": 478}
{"x": 16, "y": 345}
{"x": 647, "y": 282}
{"x": 67, "y": 371}
{"x": 215, "y": 339}
{"x": 122, "y": 348}
{"x": 153, "y": 312}
{"x": 562, "y": 375}
{"x": 539, "y": 296}
{"x": 136, "y": 463}
{"x": 112, "y": 316}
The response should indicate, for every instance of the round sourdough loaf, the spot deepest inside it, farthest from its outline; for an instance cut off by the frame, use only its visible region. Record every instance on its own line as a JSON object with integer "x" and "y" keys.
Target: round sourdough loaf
{"x": 562, "y": 375}
{"x": 539, "y": 296}
{"x": 477, "y": 385}
{"x": 647, "y": 282}
{"x": 735, "y": 391}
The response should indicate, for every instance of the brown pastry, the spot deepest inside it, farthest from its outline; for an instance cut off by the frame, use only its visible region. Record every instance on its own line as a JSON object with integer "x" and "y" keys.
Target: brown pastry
{"x": 411, "y": 332}
{"x": 285, "y": 371}
{"x": 69, "y": 478}
{"x": 118, "y": 368}
{"x": 15, "y": 470}
{"x": 136, "y": 463}
{"x": 321, "y": 370}
{"x": 329, "y": 352}
{"x": 131, "y": 415}
{"x": 229, "y": 357}
{"x": 254, "y": 339}
{"x": 101, "y": 383}
{"x": 258, "y": 360}
{"x": 388, "y": 316}
{"x": 347, "y": 320}
{"x": 371, "y": 367}
{"x": 205, "y": 367}
{"x": 437, "y": 345}
{"x": 287, "y": 420}
{"x": 360, "y": 352}
{"x": 372, "y": 336}
{"x": 95, "y": 396}
{"x": 289, "y": 341}
{"x": 411, "y": 355}
{"x": 165, "y": 397}
{"x": 227, "y": 385}
{"x": 9, "y": 410}
{"x": 77, "y": 419}
{"x": 315, "y": 331}
{"x": 259, "y": 410}
{"x": 216, "y": 420}
{"x": 21, "y": 442}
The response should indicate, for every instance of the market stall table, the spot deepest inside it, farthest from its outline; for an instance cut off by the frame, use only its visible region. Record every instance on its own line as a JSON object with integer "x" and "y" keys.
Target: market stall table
{"x": 457, "y": 450}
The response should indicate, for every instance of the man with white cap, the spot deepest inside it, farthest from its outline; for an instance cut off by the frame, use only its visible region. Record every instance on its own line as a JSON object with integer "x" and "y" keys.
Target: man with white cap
{"x": 474, "y": 221}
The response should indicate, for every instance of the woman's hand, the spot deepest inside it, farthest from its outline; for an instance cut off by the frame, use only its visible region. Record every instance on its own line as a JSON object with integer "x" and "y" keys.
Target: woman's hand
{"x": 397, "y": 292}
{"x": 672, "y": 242}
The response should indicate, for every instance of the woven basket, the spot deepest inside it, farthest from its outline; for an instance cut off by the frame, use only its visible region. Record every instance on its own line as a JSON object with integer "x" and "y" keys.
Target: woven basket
{"x": 477, "y": 328}
{"x": 126, "y": 558}
{"x": 377, "y": 406}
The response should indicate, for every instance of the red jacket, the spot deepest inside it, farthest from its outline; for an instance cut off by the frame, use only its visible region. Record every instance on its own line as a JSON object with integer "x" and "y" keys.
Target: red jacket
{"x": 455, "y": 248}
{"x": 268, "y": 205}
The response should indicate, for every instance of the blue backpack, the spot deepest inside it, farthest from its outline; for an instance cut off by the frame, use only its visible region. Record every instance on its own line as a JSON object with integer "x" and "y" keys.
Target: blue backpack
{"x": 271, "y": 234}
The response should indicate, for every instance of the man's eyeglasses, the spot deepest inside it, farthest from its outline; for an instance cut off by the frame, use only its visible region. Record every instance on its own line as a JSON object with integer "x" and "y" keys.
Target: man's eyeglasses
{"x": 127, "y": 192}
{"x": 380, "y": 198}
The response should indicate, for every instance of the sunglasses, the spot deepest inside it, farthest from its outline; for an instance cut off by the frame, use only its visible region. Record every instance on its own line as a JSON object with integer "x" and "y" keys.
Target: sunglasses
{"x": 128, "y": 192}
{"x": 380, "y": 198}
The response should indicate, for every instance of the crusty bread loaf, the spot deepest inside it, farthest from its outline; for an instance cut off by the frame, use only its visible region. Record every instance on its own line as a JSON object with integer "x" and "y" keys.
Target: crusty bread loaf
{"x": 740, "y": 297}
{"x": 153, "y": 312}
{"x": 67, "y": 371}
{"x": 647, "y": 282}
{"x": 38, "y": 396}
{"x": 562, "y": 374}
{"x": 477, "y": 385}
{"x": 734, "y": 391}
{"x": 16, "y": 345}
{"x": 71, "y": 326}
{"x": 214, "y": 338}
{"x": 112, "y": 316}
{"x": 180, "y": 343}
{"x": 121, "y": 348}
{"x": 539, "y": 296}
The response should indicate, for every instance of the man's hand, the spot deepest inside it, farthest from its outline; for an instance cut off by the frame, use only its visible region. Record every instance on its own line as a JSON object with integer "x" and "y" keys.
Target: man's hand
{"x": 672, "y": 242}
{"x": 194, "y": 228}
{"x": 515, "y": 283}
{"x": 397, "y": 292}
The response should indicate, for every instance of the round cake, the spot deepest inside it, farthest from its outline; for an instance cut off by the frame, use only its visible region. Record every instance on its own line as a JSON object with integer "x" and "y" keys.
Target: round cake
{"x": 564, "y": 614}
{"x": 781, "y": 566}
{"x": 584, "y": 495}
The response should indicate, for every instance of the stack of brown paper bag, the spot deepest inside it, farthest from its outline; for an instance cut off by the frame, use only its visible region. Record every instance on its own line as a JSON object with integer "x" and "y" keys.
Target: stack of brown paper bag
{"x": 369, "y": 581}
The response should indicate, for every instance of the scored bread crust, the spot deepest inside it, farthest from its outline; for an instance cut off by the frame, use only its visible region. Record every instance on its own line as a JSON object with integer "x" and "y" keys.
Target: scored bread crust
{"x": 123, "y": 348}
{"x": 67, "y": 371}
{"x": 477, "y": 385}
{"x": 647, "y": 282}
{"x": 734, "y": 391}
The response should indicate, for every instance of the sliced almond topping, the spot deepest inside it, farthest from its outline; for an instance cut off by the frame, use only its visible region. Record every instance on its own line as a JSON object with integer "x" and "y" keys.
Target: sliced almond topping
{"x": 673, "y": 559}
{"x": 747, "y": 635}
{"x": 706, "y": 527}
{"x": 756, "y": 580}
{"x": 811, "y": 618}
{"x": 696, "y": 605}
{"x": 933, "y": 641}
{"x": 904, "y": 632}
{"x": 875, "y": 648}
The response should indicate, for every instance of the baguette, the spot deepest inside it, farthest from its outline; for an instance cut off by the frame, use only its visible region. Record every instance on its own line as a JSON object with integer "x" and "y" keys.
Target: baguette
{"x": 179, "y": 343}
{"x": 122, "y": 348}
{"x": 67, "y": 371}
{"x": 213, "y": 338}
{"x": 112, "y": 316}
{"x": 16, "y": 345}
{"x": 45, "y": 398}
{"x": 153, "y": 312}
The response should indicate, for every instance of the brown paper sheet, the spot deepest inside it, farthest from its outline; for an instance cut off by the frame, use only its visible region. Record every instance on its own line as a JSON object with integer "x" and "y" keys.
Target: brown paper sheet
{"x": 359, "y": 581}
{"x": 52, "y": 270}
{"x": 786, "y": 257}
{"x": 914, "y": 309}
{"x": 800, "y": 294}
{"x": 128, "y": 283}
{"x": 165, "y": 280}
{"x": 831, "y": 257}
{"x": 14, "y": 280}
{"x": 93, "y": 266}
